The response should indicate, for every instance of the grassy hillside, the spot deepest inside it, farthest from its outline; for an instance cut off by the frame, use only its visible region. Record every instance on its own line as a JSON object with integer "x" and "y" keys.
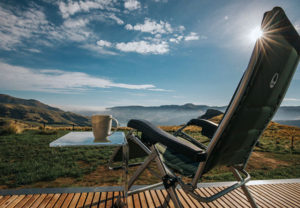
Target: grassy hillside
{"x": 38, "y": 165}
{"x": 35, "y": 111}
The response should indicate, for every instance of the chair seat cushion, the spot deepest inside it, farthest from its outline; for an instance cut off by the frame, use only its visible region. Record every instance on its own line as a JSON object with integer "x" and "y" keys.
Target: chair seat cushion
{"x": 152, "y": 135}
{"x": 176, "y": 161}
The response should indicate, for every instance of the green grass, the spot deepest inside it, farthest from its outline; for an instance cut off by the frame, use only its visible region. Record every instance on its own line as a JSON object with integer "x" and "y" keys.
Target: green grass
{"x": 26, "y": 159}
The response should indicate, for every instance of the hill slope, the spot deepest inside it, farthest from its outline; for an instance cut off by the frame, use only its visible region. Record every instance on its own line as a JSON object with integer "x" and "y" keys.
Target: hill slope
{"x": 35, "y": 111}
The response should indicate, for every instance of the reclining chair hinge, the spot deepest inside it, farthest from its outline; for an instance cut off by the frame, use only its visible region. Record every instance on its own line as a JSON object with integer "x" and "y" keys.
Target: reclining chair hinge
{"x": 169, "y": 181}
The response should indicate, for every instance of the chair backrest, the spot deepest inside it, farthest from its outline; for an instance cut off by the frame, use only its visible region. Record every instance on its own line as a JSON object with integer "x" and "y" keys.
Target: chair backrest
{"x": 259, "y": 94}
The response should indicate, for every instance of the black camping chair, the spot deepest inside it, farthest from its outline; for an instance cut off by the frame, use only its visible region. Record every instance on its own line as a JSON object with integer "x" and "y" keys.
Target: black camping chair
{"x": 254, "y": 103}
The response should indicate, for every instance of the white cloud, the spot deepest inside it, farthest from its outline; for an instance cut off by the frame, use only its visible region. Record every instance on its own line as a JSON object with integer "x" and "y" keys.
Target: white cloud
{"x": 191, "y": 36}
{"x": 33, "y": 50}
{"x": 226, "y": 17}
{"x": 181, "y": 28}
{"x": 163, "y": 1}
{"x": 16, "y": 26}
{"x": 117, "y": 19}
{"x": 292, "y": 99}
{"x": 104, "y": 43}
{"x": 128, "y": 27}
{"x": 98, "y": 49}
{"x": 132, "y": 4}
{"x": 151, "y": 26}
{"x": 143, "y": 47}
{"x": 72, "y": 7}
{"x": 297, "y": 27}
{"x": 57, "y": 81}
{"x": 176, "y": 39}
{"x": 75, "y": 23}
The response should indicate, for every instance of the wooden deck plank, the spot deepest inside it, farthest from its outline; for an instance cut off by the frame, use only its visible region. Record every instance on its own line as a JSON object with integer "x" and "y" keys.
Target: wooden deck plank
{"x": 286, "y": 192}
{"x": 194, "y": 201}
{"x": 182, "y": 200}
{"x": 96, "y": 200}
{"x": 262, "y": 202}
{"x": 4, "y": 199}
{"x": 75, "y": 200}
{"x": 89, "y": 199}
{"x": 81, "y": 199}
{"x": 143, "y": 199}
{"x": 219, "y": 200}
{"x": 16, "y": 201}
{"x": 266, "y": 195}
{"x": 240, "y": 197}
{"x": 280, "y": 197}
{"x": 68, "y": 200}
{"x": 167, "y": 197}
{"x": 187, "y": 198}
{"x": 31, "y": 200}
{"x": 205, "y": 205}
{"x": 109, "y": 199}
{"x": 136, "y": 201}
{"x": 53, "y": 201}
{"x": 150, "y": 201}
{"x": 273, "y": 200}
{"x": 23, "y": 201}
{"x": 117, "y": 194}
{"x": 161, "y": 198}
{"x": 60, "y": 200}
{"x": 203, "y": 193}
{"x": 46, "y": 200}
{"x": 155, "y": 198}
{"x": 8, "y": 200}
{"x": 102, "y": 199}
{"x": 130, "y": 201}
{"x": 227, "y": 200}
{"x": 294, "y": 187}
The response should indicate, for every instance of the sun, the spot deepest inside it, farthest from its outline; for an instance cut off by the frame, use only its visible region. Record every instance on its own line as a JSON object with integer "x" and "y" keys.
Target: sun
{"x": 255, "y": 34}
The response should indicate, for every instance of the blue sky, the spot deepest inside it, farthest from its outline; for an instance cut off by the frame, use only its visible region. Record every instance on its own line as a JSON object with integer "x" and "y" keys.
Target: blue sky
{"x": 91, "y": 54}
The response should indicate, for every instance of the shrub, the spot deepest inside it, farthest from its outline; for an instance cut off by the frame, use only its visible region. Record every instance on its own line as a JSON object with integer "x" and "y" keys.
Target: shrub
{"x": 11, "y": 128}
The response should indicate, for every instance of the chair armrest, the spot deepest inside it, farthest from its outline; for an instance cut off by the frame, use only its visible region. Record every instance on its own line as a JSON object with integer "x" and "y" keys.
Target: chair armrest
{"x": 208, "y": 127}
{"x": 152, "y": 135}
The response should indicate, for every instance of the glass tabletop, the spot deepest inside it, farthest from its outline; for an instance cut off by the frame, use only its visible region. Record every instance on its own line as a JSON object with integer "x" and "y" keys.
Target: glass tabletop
{"x": 86, "y": 138}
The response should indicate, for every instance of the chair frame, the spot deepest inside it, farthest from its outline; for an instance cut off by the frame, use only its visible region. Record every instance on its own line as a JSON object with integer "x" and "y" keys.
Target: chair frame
{"x": 171, "y": 180}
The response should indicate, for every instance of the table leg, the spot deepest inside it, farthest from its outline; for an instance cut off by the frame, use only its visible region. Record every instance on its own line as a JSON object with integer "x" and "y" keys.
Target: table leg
{"x": 125, "y": 166}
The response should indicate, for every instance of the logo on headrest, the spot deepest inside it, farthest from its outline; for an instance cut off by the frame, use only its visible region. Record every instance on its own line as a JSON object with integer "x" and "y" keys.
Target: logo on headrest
{"x": 274, "y": 80}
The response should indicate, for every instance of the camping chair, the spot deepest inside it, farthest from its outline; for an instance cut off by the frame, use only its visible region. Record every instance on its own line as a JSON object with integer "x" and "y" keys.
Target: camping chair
{"x": 254, "y": 103}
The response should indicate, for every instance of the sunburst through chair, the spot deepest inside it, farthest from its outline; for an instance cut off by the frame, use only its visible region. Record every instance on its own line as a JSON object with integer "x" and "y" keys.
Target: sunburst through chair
{"x": 255, "y": 101}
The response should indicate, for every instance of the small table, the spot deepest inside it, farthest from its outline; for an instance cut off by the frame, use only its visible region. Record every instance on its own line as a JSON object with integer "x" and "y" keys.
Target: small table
{"x": 118, "y": 139}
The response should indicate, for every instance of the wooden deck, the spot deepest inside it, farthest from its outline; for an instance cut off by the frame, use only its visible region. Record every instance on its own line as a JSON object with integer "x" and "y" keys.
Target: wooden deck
{"x": 266, "y": 195}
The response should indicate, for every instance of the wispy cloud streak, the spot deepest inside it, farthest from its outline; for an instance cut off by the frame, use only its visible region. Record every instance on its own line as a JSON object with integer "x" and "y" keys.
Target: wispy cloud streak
{"x": 57, "y": 81}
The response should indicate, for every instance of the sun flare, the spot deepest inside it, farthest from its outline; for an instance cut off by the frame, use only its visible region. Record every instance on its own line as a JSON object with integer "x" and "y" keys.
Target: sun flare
{"x": 255, "y": 34}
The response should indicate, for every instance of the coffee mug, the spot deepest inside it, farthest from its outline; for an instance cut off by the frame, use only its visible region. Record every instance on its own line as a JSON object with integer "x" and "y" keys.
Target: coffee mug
{"x": 101, "y": 125}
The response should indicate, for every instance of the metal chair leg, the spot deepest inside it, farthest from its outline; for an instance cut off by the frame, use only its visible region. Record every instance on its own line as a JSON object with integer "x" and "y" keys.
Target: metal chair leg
{"x": 171, "y": 189}
{"x": 245, "y": 189}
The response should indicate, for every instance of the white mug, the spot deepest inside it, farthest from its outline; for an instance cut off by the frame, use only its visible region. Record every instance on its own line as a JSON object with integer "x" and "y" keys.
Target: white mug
{"x": 101, "y": 125}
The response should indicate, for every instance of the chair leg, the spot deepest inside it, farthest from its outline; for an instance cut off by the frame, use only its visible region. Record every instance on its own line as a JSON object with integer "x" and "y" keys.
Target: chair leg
{"x": 171, "y": 189}
{"x": 245, "y": 189}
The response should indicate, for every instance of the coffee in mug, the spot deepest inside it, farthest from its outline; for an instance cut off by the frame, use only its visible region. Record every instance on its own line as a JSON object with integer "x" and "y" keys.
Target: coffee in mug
{"x": 101, "y": 125}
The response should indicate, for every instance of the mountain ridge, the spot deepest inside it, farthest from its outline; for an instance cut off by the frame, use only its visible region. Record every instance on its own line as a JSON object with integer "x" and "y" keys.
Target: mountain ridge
{"x": 35, "y": 111}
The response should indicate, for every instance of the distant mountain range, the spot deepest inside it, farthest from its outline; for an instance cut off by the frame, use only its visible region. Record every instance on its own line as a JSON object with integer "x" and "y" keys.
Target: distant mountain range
{"x": 35, "y": 111}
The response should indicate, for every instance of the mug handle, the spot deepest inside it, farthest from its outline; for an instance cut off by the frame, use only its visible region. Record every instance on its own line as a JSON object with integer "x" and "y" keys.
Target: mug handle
{"x": 116, "y": 126}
